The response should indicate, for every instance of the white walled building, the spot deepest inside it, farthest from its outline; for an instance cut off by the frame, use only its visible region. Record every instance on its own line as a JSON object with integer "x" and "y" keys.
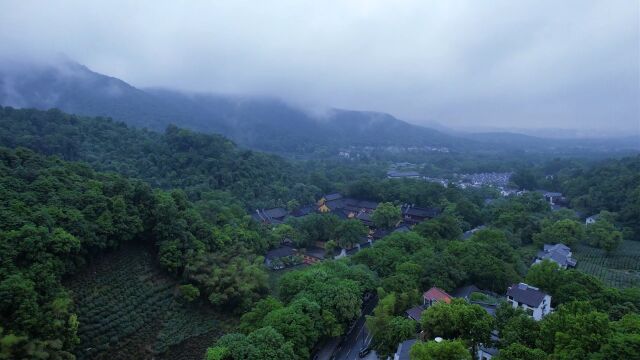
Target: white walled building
{"x": 534, "y": 302}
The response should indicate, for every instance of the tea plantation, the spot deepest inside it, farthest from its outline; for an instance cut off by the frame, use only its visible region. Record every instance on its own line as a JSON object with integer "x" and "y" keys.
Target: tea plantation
{"x": 620, "y": 269}
{"x": 127, "y": 310}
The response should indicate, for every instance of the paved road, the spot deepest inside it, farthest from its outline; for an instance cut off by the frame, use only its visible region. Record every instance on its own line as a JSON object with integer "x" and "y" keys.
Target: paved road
{"x": 354, "y": 341}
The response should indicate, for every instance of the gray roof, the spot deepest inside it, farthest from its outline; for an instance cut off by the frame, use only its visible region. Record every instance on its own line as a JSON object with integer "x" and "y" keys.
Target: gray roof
{"x": 315, "y": 252}
{"x": 553, "y": 194}
{"x": 557, "y": 247}
{"x": 334, "y": 204}
{"x": 420, "y": 212}
{"x": 404, "y": 348}
{"x": 415, "y": 312}
{"x": 281, "y": 251}
{"x": 490, "y": 350}
{"x": 303, "y": 211}
{"x": 467, "y": 234}
{"x": 465, "y": 291}
{"x": 275, "y": 213}
{"x": 367, "y": 204}
{"x": 526, "y": 294}
{"x": 558, "y": 253}
{"x": 489, "y": 308}
{"x": 334, "y": 196}
{"x": 364, "y": 217}
{"x": 402, "y": 228}
{"x": 403, "y": 174}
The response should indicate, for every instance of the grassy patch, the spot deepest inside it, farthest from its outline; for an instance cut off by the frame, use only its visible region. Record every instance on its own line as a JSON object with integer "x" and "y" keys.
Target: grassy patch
{"x": 620, "y": 269}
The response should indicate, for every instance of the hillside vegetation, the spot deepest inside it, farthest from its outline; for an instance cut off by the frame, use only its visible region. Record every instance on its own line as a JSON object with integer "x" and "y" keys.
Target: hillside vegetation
{"x": 177, "y": 158}
{"x": 55, "y": 216}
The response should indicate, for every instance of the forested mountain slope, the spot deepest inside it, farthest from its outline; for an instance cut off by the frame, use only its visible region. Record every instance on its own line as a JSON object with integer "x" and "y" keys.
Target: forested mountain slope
{"x": 55, "y": 216}
{"x": 259, "y": 123}
{"x": 177, "y": 158}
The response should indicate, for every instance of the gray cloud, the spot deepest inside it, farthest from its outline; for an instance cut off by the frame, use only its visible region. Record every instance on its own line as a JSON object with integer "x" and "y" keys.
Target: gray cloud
{"x": 568, "y": 64}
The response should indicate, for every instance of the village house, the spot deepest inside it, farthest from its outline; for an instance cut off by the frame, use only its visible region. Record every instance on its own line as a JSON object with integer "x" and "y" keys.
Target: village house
{"x": 412, "y": 214}
{"x": 434, "y": 295}
{"x": 415, "y": 313}
{"x": 552, "y": 197}
{"x": 393, "y": 174}
{"x": 558, "y": 253}
{"x": 429, "y": 298}
{"x": 281, "y": 257}
{"x": 465, "y": 292}
{"x": 313, "y": 254}
{"x": 532, "y": 300}
{"x": 488, "y": 351}
{"x": 469, "y": 233}
{"x": 474, "y": 295}
{"x": 272, "y": 216}
{"x": 592, "y": 219}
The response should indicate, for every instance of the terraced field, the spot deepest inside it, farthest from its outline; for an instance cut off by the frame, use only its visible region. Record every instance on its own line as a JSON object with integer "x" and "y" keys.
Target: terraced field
{"x": 620, "y": 269}
{"x": 127, "y": 310}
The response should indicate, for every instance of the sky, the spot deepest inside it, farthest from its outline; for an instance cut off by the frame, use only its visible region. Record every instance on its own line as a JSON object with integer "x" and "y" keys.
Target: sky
{"x": 572, "y": 64}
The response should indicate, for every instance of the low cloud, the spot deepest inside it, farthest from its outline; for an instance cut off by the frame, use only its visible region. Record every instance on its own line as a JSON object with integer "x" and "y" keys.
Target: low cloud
{"x": 525, "y": 64}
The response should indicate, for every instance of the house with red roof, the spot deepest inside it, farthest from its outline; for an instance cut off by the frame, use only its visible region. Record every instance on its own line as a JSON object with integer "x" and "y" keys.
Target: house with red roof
{"x": 434, "y": 295}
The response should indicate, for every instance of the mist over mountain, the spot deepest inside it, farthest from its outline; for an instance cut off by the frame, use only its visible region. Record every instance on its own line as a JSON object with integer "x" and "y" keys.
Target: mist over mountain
{"x": 261, "y": 123}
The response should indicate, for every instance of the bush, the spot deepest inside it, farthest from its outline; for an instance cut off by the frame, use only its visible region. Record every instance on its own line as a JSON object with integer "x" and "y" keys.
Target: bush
{"x": 189, "y": 292}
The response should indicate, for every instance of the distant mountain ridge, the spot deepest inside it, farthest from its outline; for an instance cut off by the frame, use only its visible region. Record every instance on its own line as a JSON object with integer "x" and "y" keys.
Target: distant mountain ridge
{"x": 259, "y": 123}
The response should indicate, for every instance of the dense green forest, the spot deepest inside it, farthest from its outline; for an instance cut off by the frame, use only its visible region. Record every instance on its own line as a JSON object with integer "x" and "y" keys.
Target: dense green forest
{"x": 176, "y": 159}
{"x": 611, "y": 185}
{"x": 57, "y": 215}
{"x": 73, "y": 189}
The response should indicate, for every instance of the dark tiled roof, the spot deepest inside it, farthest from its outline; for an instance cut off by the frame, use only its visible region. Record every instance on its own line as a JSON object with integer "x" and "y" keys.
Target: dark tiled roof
{"x": 340, "y": 214}
{"x": 402, "y": 228}
{"x": 415, "y": 312}
{"x": 465, "y": 291}
{"x": 334, "y": 204}
{"x": 549, "y": 193}
{"x": 490, "y": 309}
{"x": 303, "y": 211}
{"x": 364, "y": 216}
{"x": 364, "y": 204}
{"x": 380, "y": 233}
{"x": 315, "y": 252}
{"x": 558, "y": 253}
{"x": 403, "y": 174}
{"x": 279, "y": 252}
{"x": 275, "y": 213}
{"x": 334, "y": 196}
{"x": 526, "y": 294}
{"x": 420, "y": 212}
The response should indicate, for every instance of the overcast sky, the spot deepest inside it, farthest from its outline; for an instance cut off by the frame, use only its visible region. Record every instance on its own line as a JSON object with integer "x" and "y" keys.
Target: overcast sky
{"x": 514, "y": 64}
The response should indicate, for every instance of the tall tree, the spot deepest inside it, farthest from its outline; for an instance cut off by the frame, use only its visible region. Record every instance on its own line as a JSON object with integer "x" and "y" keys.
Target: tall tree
{"x": 444, "y": 350}
{"x": 349, "y": 233}
{"x": 386, "y": 215}
{"x": 458, "y": 320}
